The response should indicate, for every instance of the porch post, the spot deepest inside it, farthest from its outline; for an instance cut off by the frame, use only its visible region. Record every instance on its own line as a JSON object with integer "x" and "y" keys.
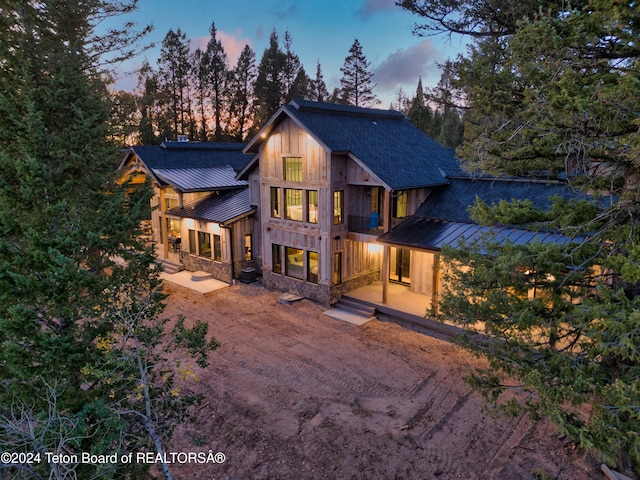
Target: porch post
{"x": 436, "y": 286}
{"x": 163, "y": 224}
{"x": 385, "y": 273}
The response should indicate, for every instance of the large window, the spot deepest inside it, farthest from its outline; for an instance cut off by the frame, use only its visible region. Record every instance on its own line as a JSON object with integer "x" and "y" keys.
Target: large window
{"x": 312, "y": 267}
{"x": 276, "y": 258}
{"x": 275, "y": 202}
{"x": 312, "y": 206}
{"x": 204, "y": 244}
{"x": 294, "y": 262}
{"x": 338, "y": 207}
{"x": 217, "y": 248}
{"x": 292, "y": 169}
{"x": 293, "y": 204}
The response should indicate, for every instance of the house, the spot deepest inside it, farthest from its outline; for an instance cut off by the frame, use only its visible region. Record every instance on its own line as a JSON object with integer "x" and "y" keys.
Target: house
{"x": 323, "y": 200}
{"x": 328, "y": 180}
{"x": 200, "y": 217}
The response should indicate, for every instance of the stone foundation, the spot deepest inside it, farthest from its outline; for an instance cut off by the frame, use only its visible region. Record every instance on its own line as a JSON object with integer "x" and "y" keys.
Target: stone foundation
{"x": 220, "y": 271}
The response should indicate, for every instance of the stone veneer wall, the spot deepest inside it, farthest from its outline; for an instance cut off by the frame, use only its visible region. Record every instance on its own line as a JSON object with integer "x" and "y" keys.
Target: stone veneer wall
{"x": 220, "y": 271}
{"x": 351, "y": 284}
{"x": 322, "y": 294}
{"x": 319, "y": 293}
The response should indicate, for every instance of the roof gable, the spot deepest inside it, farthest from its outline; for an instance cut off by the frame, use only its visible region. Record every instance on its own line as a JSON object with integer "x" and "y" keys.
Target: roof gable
{"x": 384, "y": 142}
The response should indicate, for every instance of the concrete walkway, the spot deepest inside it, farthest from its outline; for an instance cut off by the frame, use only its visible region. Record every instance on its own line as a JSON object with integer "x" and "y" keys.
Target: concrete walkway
{"x": 184, "y": 280}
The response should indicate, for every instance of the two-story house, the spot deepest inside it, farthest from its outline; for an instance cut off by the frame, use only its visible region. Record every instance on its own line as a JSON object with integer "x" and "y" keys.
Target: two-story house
{"x": 328, "y": 180}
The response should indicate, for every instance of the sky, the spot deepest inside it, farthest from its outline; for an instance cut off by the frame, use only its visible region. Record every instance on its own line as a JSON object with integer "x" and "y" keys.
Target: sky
{"x": 321, "y": 31}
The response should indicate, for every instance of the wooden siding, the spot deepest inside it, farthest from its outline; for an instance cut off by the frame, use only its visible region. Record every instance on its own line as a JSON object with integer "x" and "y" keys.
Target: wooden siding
{"x": 423, "y": 275}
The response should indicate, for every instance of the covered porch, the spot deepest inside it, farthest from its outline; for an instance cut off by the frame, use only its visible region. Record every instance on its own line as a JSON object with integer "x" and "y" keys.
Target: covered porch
{"x": 399, "y": 298}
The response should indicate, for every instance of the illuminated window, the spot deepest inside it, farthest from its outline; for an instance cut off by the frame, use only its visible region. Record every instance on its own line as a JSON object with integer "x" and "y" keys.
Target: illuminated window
{"x": 248, "y": 248}
{"x": 292, "y": 169}
{"x": 294, "y": 262}
{"x": 338, "y": 207}
{"x": 276, "y": 258}
{"x": 217, "y": 248}
{"x": 275, "y": 202}
{"x": 293, "y": 204}
{"x": 193, "y": 246}
{"x": 312, "y": 267}
{"x": 312, "y": 206}
{"x": 400, "y": 204}
{"x": 204, "y": 244}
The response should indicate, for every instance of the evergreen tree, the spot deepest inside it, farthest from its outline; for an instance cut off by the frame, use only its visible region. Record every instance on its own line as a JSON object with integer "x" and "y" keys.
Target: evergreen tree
{"x": 270, "y": 86}
{"x": 553, "y": 88}
{"x": 356, "y": 81}
{"x": 319, "y": 92}
{"x": 218, "y": 77}
{"x": 79, "y": 298}
{"x": 242, "y": 79}
{"x": 200, "y": 75}
{"x": 174, "y": 69}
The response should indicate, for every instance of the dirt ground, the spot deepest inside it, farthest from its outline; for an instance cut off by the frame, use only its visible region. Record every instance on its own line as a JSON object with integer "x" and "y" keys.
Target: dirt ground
{"x": 294, "y": 394}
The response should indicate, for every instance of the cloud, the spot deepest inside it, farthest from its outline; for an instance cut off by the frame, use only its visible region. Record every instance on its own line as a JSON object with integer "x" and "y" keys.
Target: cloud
{"x": 371, "y": 6}
{"x": 404, "y": 66}
{"x": 233, "y": 44}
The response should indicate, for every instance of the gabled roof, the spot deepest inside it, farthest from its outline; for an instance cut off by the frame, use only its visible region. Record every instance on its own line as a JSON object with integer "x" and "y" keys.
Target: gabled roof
{"x": 384, "y": 142}
{"x": 220, "y": 208}
{"x": 199, "y": 179}
{"x": 452, "y": 202}
{"x": 430, "y": 234}
{"x": 189, "y": 156}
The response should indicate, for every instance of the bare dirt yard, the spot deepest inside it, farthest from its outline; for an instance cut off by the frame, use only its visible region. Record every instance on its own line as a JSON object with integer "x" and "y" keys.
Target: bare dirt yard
{"x": 294, "y": 394}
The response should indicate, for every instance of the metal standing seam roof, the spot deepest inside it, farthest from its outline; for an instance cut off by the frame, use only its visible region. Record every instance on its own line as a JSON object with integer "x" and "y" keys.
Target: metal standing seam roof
{"x": 217, "y": 208}
{"x": 432, "y": 234}
{"x": 199, "y": 179}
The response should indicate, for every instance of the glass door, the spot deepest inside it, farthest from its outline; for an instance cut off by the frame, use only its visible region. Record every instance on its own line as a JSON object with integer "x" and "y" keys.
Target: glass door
{"x": 400, "y": 265}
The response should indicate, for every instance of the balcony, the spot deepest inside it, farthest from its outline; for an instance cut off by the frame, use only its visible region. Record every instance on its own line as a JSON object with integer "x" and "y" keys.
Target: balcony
{"x": 371, "y": 225}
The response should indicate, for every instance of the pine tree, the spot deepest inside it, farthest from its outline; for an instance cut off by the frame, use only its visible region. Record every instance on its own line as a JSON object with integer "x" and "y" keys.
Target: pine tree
{"x": 552, "y": 88}
{"x": 319, "y": 87}
{"x": 218, "y": 78}
{"x": 270, "y": 86}
{"x": 243, "y": 77}
{"x": 200, "y": 75}
{"x": 356, "y": 81}
{"x": 77, "y": 287}
{"x": 174, "y": 68}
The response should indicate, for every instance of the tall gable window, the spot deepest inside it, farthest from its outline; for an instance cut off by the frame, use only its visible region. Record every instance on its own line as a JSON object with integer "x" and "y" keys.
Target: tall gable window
{"x": 400, "y": 204}
{"x": 292, "y": 169}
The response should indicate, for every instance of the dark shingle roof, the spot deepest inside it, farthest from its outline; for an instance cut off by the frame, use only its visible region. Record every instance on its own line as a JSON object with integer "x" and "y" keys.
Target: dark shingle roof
{"x": 384, "y": 141}
{"x": 217, "y": 208}
{"x": 451, "y": 202}
{"x": 430, "y": 234}
{"x": 192, "y": 155}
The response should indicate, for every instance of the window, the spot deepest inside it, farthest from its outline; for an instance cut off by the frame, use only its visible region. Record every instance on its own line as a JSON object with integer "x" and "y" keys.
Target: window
{"x": 337, "y": 268}
{"x": 193, "y": 246}
{"x": 293, "y": 204}
{"x": 292, "y": 169}
{"x": 294, "y": 262}
{"x": 276, "y": 258}
{"x": 173, "y": 227}
{"x": 170, "y": 203}
{"x": 312, "y": 267}
{"x": 338, "y": 207}
{"x": 204, "y": 244}
{"x": 275, "y": 202}
{"x": 217, "y": 248}
{"x": 248, "y": 248}
{"x": 400, "y": 204}
{"x": 312, "y": 206}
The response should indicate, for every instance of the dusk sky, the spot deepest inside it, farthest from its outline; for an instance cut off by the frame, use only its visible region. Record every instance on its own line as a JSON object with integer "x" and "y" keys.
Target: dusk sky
{"x": 320, "y": 30}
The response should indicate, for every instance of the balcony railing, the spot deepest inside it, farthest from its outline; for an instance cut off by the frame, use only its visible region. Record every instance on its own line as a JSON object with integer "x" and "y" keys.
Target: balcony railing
{"x": 371, "y": 224}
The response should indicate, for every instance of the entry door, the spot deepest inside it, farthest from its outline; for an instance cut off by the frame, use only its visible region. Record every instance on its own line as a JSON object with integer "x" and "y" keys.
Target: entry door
{"x": 400, "y": 265}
